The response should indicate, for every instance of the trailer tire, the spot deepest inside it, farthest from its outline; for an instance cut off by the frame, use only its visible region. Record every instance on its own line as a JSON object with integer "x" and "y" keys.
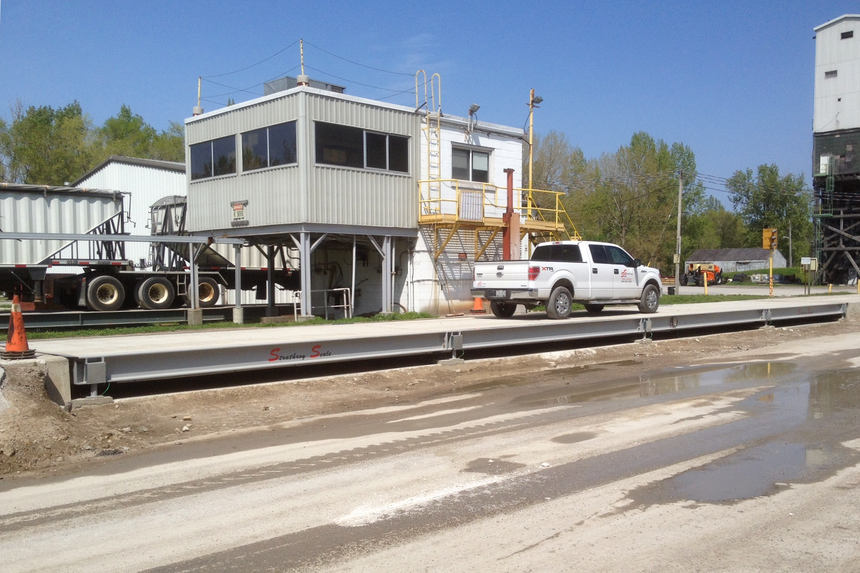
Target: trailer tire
{"x": 105, "y": 293}
{"x": 208, "y": 291}
{"x": 503, "y": 309}
{"x": 156, "y": 293}
{"x": 650, "y": 300}
{"x": 559, "y": 303}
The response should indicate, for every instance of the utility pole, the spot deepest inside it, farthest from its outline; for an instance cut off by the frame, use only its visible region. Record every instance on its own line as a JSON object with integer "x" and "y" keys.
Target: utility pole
{"x": 678, "y": 238}
{"x": 533, "y": 103}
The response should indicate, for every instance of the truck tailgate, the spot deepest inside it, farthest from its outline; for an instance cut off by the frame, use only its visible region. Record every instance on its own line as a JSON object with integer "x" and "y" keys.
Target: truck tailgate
{"x": 502, "y": 275}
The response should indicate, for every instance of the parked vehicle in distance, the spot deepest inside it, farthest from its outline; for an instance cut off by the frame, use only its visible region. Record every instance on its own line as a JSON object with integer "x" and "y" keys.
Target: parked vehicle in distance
{"x": 698, "y": 273}
{"x": 561, "y": 273}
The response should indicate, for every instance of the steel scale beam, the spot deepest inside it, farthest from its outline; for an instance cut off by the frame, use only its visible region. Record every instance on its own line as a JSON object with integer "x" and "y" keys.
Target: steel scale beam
{"x": 162, "y": 357}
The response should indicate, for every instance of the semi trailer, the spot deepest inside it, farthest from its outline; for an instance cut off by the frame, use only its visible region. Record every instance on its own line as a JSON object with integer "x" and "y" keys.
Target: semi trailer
{"x": 63, "y": 273}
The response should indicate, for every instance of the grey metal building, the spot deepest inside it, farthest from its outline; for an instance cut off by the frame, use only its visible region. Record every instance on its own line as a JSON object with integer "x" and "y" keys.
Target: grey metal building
{"x": 737, "y": 260}
{"x": 836, "y": 148}
{"x": 315, "y": 176}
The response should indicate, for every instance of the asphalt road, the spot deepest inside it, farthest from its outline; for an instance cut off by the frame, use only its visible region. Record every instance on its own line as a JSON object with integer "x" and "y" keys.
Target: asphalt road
{"x": 751, "y": 462}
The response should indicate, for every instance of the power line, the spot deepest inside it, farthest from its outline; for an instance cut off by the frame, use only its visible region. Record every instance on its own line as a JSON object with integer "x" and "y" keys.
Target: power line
{"x": 278, "y": 53}
{"x": 358, "y": 63}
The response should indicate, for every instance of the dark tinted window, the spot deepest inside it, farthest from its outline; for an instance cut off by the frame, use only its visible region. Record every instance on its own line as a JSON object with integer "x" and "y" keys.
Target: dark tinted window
{"x": 255, "y": 150}
{"x": 570, "y": 253}
{"x": 339, "y": 145}
{"x": 398, "y": 153}
{"x": 558, "y": 253}
{"x": 377, "y": 152}
{"x": 216, "y": 157}
{"x": 201, "y": 160}
{"x": 598, "y": 254}
{"x": 354, "y": 147}
{"x": 282, "y": 144}
{"x": 619, "y": 256}
{"x": 224, "y": 154}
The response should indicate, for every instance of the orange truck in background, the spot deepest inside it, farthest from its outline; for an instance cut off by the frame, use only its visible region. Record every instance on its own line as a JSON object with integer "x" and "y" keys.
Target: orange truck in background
{"x": 698, "y": 272}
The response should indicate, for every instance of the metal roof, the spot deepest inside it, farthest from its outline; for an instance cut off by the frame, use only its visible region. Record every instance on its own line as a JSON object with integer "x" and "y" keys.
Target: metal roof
{"x": 65, "y": 189}
{"x": 446, "y": 118}
{"x": 175, "y": 166}
{"x": 745, "y": 254}
{"x": 835, "y": 20}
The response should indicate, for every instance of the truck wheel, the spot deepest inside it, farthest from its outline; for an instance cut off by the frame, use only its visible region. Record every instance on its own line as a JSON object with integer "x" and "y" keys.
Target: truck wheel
{"x": 105, "y": 293}
{"x": 593, "y": 308}
{"x": 208, "y": 291}
{"x": 558, "y": 305}
{"x": 155, "y": 293}
{"x": 650, "y": 299}
{"x": 683, "y": 280}
{"x": 503, "y": 309}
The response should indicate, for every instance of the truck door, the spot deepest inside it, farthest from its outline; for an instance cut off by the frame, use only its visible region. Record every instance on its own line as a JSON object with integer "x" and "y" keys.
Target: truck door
{"x": 625, "y": 282}
{"x": 602, "y": 272}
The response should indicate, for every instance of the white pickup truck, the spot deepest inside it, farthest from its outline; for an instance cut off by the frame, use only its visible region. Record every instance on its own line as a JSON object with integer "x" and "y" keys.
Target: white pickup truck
{"x": 563, "y": 272}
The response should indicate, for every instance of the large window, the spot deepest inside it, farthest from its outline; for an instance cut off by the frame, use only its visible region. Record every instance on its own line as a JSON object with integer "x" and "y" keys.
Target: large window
{"x": 354, "y": 147}
{"x": 213, "y": 158}
{"x": 470, "y": 165}
{"x": 269, "y": 146}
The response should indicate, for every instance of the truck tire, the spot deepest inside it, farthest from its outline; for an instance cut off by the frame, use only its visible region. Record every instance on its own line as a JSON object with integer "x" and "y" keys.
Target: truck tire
{"x": 105, "y": 293}
{"x": 208, "y": 291}
{"x": 593, "y": 308}
{"x": 559, "y": 303}
{"x": 156, "y": 293}
{"x": 650, "y": 300}
{"x": 683, "y": 280}
{"x": 503, "y": 309}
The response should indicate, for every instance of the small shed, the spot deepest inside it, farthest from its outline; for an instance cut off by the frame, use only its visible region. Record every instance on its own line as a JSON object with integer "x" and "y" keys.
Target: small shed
{"x": 738, "y": 260}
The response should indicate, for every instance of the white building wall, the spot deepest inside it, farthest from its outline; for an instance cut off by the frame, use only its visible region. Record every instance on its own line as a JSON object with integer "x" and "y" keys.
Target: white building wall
{"x": 145, "y": 186}
{"x": 443, "y": 286}
{"x": 837, "y": 96}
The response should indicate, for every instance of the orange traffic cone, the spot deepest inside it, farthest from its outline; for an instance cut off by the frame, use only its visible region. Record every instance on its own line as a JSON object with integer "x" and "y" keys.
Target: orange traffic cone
{"x": 478, "y": 306}
{"x": 16, "y": 337}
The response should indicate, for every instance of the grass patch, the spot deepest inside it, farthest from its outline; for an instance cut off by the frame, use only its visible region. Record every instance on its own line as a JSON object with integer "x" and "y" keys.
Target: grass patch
{"x": 699, "y": 298}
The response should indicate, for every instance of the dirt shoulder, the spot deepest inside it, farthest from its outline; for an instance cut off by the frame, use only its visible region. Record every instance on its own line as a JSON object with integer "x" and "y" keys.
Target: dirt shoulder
{"x": 38, "y": 438}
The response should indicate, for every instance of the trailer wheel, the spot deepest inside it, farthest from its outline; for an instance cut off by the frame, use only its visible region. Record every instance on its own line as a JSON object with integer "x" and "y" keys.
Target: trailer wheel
{"x": 105, "y": 293}
{"x": 503, "y": 309}
{"x": 155, "y": 293}
{"x": 208, "y": 291}
{"x": 559, "y": 303}
{"x": 650, "y": 299}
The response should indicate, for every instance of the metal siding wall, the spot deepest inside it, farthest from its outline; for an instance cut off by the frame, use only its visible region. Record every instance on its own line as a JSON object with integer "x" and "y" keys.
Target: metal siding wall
{"x": 834, "y": 53}
{"x": 272, "y": 195}
{"x": 38, "y": 213}
{"x": 339, "y": 195}
{"x": 145, "y": 186}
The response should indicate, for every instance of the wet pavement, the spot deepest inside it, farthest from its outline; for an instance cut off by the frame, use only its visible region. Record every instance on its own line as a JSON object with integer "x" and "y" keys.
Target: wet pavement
{"x": 566, "y": 469}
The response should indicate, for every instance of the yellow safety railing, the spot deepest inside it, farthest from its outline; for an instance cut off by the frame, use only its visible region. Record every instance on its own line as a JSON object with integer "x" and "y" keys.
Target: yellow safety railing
{"x": 463, "y": 202}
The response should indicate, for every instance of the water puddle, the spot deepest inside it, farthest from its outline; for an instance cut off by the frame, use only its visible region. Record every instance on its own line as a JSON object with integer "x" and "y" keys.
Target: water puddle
{"x": 796, "y": 428}
{"x": 492, "y": 466}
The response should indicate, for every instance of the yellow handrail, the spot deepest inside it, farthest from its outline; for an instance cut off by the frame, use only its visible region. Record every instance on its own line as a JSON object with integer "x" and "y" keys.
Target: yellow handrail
{"x": 454, "y": 200}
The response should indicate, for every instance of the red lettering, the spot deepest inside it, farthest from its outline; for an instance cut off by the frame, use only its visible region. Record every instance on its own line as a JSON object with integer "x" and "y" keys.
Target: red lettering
{"x": 274, "y": 354}
{"x": 315, "y": 351}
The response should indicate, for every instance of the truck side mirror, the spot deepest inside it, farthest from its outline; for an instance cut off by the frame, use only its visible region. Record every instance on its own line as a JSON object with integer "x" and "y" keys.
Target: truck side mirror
{"x": 635, "y": 263}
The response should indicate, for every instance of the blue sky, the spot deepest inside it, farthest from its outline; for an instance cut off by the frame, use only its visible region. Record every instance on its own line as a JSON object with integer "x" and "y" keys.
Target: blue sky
{"x": 733, "y": 80}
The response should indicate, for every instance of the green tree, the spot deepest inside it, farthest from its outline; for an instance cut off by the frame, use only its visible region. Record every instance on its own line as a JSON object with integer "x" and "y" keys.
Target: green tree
{"x": 764, "y": 198}
{"x": 128, "y": 134}
{"x": 630, "y": 196}
{"x": 44, "y": 145}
